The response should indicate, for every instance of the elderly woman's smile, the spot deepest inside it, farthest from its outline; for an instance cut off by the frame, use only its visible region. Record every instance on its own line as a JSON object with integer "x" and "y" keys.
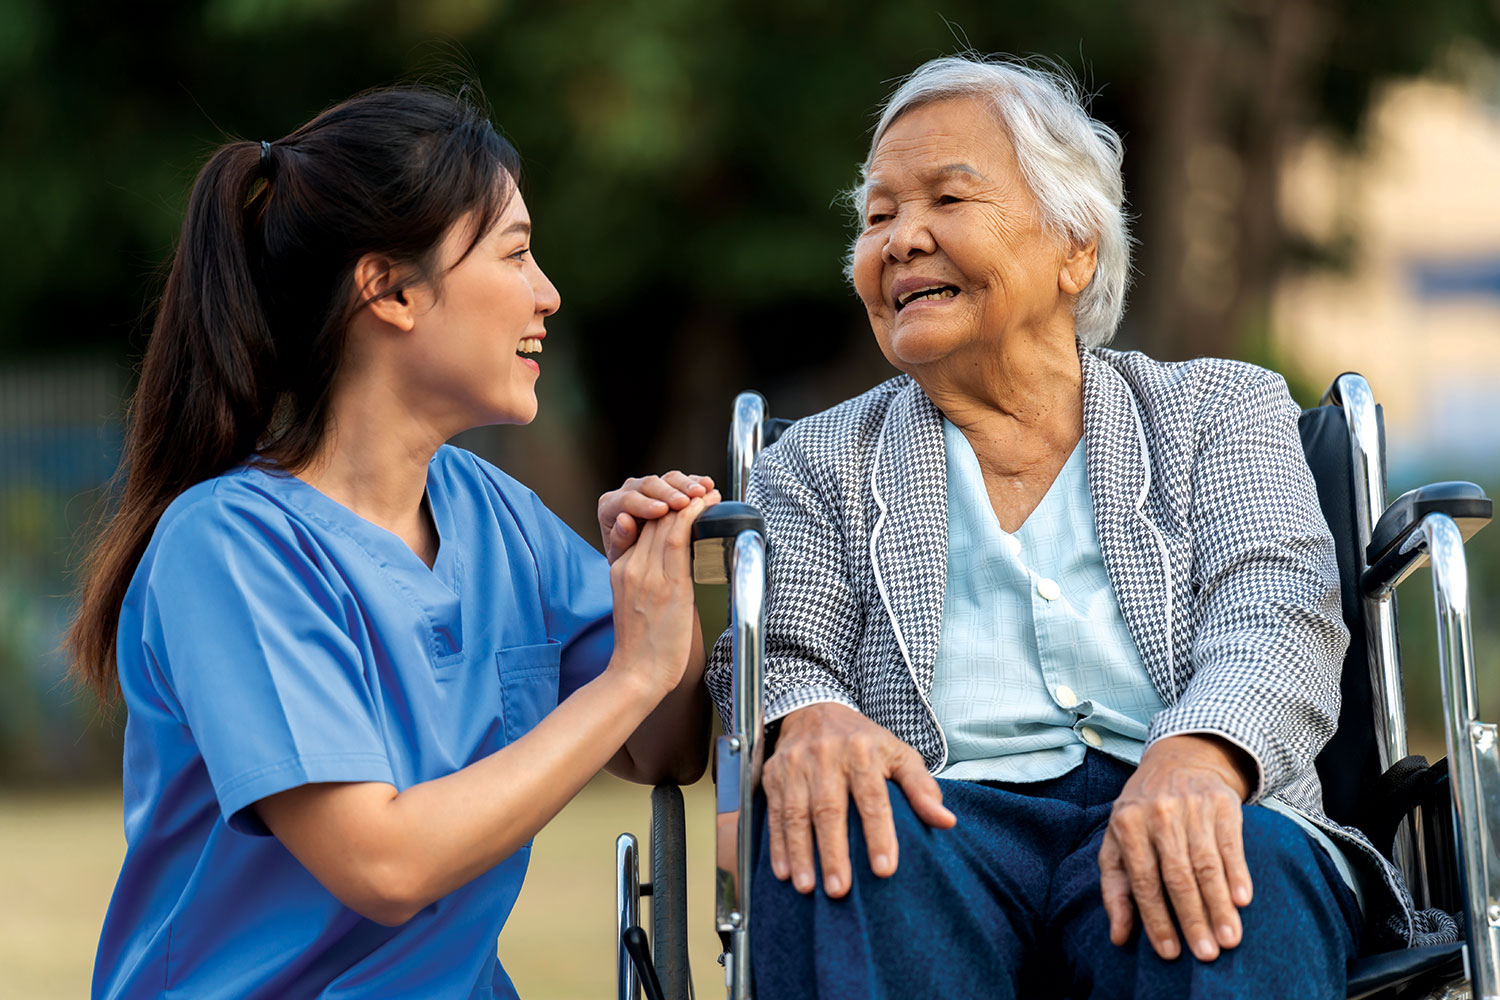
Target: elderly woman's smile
{"x": 953, "y": 254}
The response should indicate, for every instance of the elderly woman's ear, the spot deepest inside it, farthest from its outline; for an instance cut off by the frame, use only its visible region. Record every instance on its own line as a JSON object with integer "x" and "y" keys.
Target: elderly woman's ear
{"x": 1078, "y": 268}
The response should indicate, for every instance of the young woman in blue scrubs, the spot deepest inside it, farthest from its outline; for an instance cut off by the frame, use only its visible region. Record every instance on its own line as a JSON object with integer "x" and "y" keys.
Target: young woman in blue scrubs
{"x": 362, "y": 668}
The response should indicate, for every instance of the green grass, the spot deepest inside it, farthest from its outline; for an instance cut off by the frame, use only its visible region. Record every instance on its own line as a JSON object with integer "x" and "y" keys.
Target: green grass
{"x": 59, "y": 855}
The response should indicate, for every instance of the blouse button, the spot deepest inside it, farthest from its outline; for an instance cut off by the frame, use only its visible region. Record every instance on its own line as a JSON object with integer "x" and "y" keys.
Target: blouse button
{"x": 1013, "y": 545}
{"x": 1048, "y": 590}
{"x": 1065, "y": 696}
{"x": 1091, "y": 736}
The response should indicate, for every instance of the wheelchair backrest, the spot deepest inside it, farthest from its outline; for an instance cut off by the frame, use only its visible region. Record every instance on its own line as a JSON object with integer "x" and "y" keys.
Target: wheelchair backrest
{"x": 1349, "y": 766}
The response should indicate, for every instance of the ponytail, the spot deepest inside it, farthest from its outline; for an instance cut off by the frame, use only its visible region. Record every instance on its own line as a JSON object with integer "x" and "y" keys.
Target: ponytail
{"x": 250, "y": 328}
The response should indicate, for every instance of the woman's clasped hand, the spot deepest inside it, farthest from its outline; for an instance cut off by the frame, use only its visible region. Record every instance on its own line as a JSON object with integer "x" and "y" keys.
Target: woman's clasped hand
{"x": 650, "y": 547}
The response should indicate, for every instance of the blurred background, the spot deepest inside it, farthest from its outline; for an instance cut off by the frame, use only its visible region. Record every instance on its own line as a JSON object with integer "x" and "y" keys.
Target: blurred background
{"x": 1314, "y": 184}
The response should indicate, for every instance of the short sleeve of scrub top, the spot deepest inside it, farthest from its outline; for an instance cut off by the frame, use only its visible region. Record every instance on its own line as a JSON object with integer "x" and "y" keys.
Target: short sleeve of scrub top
{"x": 275, "y": 692}
{"x": 271, "y": 638}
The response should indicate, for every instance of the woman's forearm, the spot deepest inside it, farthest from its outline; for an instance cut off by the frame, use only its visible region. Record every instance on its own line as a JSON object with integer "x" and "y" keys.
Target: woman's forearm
{"x": 671, "y": 744}
{"x": 388, "y": 855}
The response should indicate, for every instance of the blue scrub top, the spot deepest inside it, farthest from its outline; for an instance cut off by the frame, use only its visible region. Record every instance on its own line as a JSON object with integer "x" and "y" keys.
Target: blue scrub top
{"x": 271, "y": 638}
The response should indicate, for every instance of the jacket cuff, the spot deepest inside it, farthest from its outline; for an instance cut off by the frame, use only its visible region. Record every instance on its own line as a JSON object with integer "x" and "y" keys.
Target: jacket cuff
{"x": 789, "y": 701}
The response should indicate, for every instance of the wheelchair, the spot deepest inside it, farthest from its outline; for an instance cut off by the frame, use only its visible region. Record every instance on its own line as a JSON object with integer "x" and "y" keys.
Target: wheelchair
{"x": 1437, "y": 822}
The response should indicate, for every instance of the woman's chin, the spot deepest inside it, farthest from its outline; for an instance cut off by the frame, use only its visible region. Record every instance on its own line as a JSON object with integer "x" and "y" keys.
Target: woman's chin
{"x": 916, "y": 348}
{"x": 513, "y": 411}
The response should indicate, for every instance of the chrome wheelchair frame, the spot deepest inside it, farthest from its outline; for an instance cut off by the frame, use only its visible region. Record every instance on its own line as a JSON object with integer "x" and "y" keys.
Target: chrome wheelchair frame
{"x": 1450, "y": 839}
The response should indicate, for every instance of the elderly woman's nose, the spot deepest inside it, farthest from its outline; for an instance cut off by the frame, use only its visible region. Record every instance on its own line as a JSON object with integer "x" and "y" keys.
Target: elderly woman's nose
{"x": 907, "y": 236}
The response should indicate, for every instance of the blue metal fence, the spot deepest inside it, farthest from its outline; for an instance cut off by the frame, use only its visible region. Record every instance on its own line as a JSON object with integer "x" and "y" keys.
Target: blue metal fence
{"x": 60, "y": 434}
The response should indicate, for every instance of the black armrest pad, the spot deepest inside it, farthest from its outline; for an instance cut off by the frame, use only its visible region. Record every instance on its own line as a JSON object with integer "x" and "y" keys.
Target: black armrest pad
{"x": 1466, "y": 503}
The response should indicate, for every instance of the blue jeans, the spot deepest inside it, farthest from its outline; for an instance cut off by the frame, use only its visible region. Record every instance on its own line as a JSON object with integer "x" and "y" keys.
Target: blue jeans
{"x": 1007, "y": 904}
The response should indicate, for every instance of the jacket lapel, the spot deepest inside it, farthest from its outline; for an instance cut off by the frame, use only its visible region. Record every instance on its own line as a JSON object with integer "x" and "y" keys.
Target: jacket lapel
{"x": 909, "y": 544}
{"x": 1134, "y": 552}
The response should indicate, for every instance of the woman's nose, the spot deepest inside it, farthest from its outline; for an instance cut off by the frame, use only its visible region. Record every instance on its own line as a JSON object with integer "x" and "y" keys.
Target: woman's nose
{"x": 548, "y": 299}
{"x": 908, "y": 236}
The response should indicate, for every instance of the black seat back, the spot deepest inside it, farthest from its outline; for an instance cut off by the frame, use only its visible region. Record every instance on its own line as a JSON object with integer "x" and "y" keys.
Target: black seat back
{"x": 1349, "y": 766}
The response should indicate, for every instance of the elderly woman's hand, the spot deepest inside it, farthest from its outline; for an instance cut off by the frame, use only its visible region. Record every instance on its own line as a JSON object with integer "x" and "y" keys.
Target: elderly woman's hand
{"x": 825, "y": 754}
{"x": 644, "y": 499}
{"x": 1177, "y": 823}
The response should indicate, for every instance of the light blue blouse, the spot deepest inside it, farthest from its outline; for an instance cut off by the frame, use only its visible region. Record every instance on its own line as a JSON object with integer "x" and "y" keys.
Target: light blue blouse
{"x": 271, "y": 638}
{"x": 1035, "y": 663}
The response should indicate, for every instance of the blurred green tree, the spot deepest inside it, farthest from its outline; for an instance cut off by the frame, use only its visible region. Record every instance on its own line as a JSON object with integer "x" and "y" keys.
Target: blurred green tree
{"x": 684, "y": 157}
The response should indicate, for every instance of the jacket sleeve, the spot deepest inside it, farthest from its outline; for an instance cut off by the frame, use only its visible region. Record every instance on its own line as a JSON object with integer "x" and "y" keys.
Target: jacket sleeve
{"x": 813, "y": 617}
{"x": 1270, "y": 637}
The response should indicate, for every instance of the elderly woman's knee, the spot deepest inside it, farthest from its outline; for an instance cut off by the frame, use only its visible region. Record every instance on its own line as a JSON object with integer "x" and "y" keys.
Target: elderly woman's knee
{"x": 1291, "y": 873}
{"x": 1271, "y": 838}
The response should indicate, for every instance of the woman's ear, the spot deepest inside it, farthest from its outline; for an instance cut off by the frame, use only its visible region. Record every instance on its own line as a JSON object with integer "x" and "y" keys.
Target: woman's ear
{"x": 378, "y": 281}
{"x": 1078, "y": 268}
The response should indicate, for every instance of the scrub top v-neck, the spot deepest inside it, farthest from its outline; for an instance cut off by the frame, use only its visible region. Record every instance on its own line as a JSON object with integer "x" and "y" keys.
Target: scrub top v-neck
{"x": 272, "y": 638}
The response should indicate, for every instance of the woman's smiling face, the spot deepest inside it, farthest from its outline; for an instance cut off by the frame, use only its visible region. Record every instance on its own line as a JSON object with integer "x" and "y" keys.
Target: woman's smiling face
{"x": 953, "y": 258}
{"x": 486, "y": 323}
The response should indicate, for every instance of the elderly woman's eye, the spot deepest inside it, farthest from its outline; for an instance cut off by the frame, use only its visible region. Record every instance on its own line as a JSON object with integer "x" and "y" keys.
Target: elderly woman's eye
{"x": 876, "y": 218}
{"x": 949, "y": 199}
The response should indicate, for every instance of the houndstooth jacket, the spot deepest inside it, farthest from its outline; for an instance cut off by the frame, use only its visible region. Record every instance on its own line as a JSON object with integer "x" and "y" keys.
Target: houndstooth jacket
{"x": 1209, "y": 527}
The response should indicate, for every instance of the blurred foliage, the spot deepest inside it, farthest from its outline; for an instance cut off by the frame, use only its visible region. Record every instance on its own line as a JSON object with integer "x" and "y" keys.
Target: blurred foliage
{"x": 683, "y": 157}
{"x": 683, "y": 164}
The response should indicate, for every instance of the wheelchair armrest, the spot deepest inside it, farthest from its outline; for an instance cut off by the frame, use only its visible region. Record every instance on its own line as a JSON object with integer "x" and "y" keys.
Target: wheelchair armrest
{"x": 1387, "y": 557}
{"x": 713, "y": 538}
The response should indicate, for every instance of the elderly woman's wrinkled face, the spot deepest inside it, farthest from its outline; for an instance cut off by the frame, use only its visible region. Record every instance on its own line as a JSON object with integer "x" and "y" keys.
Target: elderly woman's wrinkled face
{"x": 953, "y": 260}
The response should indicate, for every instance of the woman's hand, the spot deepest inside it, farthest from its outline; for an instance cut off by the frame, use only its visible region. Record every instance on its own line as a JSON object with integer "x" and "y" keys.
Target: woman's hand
{"x": 826, "y": 753}
{"x": 637, "y": 500}
{"x": 654, "y": 614}
{"x": 1177, "y": 824}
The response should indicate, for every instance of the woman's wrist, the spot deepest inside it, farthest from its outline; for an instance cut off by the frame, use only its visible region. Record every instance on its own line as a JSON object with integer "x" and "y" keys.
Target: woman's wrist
{"x": 638, "y": 684}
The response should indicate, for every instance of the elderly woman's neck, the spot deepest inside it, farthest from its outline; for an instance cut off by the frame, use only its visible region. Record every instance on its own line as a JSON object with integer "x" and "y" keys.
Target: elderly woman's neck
{"x": 1030, "y": 395}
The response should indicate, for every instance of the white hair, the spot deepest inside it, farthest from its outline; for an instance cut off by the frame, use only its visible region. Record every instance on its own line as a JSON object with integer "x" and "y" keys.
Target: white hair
{"x": 1070, "y": 161}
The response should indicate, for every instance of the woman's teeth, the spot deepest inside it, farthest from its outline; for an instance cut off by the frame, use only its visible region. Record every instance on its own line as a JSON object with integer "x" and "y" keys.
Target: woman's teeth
{"x": 934, "y": 292}
{"x": 531, "y": 345}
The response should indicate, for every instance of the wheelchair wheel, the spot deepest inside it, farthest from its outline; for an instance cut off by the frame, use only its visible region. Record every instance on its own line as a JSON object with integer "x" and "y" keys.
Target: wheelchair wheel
{"x": 669, "y": 893}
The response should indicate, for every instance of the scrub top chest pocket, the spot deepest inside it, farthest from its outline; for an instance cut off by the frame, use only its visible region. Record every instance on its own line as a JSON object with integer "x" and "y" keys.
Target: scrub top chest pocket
{"x": 528, "y": 685}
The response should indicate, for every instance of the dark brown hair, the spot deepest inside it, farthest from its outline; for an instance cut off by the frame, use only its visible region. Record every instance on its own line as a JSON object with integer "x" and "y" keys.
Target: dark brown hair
{"x": 250, "y": 329}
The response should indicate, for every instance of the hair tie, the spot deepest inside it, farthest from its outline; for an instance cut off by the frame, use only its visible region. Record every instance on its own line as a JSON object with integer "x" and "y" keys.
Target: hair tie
{"x": 265, "y": 159}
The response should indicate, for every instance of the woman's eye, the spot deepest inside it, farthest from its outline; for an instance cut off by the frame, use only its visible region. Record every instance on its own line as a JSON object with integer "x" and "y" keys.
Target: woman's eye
{"x": 521, "y": 254}
{"x": 876, "y": 218}
{"x": 949, "y": 199}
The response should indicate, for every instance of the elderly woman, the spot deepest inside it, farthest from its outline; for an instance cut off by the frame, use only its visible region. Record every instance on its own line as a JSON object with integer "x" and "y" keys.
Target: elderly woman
{"x": 1062, "y": 622}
